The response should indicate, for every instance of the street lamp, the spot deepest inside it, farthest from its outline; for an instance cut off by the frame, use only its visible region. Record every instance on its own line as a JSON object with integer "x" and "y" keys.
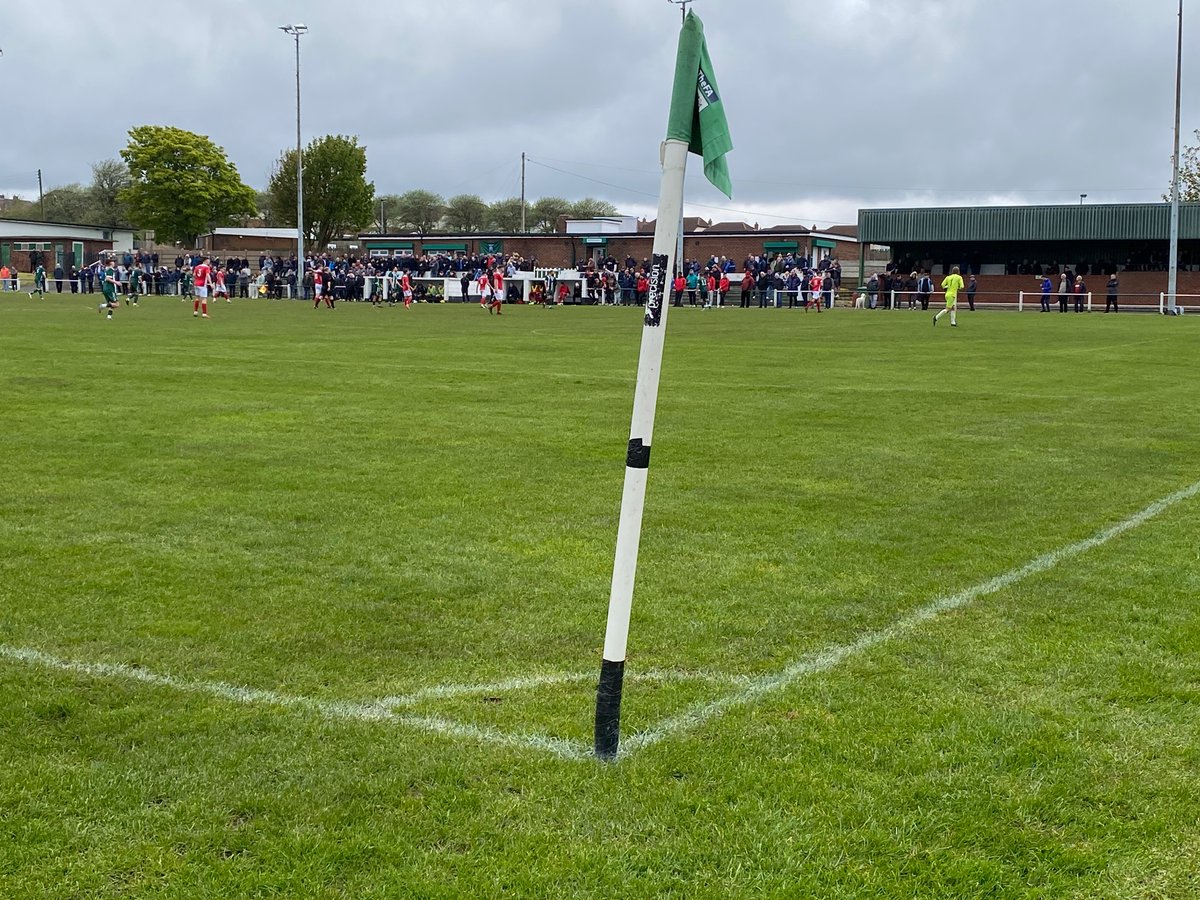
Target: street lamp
{"x": 296, "y": 31}
{"x": 1082, "y": 197}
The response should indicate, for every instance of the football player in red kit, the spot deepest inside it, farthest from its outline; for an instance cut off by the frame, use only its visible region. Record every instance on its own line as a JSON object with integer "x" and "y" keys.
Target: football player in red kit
{"x": 485, "y": 290}
{"x": 201, "y": 277}
{"x": 406, "y": 290}
{"x": 497, "y": 291}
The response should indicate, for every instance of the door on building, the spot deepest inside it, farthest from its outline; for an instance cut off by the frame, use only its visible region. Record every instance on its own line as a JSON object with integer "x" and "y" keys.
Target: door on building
{"x": 58, "y": 255}
{"x": 5, "y": 254}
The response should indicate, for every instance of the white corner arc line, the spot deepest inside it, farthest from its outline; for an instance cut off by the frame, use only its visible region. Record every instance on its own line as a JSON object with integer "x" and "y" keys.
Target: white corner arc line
{"x": 828, "y": 658}
{"x": 332, "y": 709}
{"x": 553, "y": 679}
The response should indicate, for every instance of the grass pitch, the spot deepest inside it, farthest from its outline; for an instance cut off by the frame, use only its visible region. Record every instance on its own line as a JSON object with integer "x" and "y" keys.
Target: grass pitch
{"x": 330, "y": 508}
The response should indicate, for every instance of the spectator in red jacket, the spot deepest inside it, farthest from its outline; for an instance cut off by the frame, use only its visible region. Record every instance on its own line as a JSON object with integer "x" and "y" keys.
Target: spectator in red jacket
{"x": 679, "y": 285}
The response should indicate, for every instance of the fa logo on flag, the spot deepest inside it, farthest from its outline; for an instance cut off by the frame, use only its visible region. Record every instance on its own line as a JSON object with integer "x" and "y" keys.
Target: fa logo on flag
{"x": 705, "y": 92}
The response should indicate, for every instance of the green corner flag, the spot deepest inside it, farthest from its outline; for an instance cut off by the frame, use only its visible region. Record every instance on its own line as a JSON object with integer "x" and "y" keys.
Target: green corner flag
{"x": 697, "y": 113}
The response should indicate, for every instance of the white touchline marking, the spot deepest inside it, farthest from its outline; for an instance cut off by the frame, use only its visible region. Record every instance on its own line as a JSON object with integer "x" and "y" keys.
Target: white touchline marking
{"x": 333, "y": 709}
{"x": 828, "y": 658}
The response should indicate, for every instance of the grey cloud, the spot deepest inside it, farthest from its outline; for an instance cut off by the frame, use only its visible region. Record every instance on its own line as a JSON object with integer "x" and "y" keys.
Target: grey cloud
{"x": 862, "y": 102}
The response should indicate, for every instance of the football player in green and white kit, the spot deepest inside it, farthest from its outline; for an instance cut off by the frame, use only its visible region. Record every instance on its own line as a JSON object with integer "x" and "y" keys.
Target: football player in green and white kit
{"x": 108, "y": 287}
{"x": 135, "y": 284}
{"x": 39, "y": 282}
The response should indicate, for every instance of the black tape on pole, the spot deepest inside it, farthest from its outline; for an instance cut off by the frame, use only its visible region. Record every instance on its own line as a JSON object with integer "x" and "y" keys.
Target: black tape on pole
{"x": 638, "y": 454}
{"x": 658, "y": 286}
{"x": 608, "y": 709}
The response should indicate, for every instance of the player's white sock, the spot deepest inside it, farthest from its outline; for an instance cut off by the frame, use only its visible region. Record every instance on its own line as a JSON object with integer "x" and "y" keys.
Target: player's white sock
{"x": 952, "y": 322}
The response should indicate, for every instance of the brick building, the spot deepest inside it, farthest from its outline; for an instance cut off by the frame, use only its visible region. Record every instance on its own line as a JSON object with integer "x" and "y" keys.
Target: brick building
{"x": 702, "y": 240}
{"x": 23, "y": 243}
{"x": 1007, "y": 246}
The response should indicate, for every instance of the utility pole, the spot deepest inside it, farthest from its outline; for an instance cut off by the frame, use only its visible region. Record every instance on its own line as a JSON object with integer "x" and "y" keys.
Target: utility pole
{"x": 41, "y": 196}
{"x": 382, "y": 217}
{"x": 1173, "y": 263}
{"x": 296, "y": 31}
{"x": 522, "y": 192}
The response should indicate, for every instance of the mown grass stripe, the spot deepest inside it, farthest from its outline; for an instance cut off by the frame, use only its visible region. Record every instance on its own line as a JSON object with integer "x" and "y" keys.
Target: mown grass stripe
{"x": 824, "y": 660}
{"x": 383, "y": 710}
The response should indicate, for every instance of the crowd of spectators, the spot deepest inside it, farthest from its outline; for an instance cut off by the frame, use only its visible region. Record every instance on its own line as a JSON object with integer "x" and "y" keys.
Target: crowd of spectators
{"x": 772, "y": 280}
{"x": 348, "y": 277}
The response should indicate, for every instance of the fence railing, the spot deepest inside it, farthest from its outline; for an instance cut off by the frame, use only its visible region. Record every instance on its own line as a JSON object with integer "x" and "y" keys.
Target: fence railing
{"x": 900, "y": 299}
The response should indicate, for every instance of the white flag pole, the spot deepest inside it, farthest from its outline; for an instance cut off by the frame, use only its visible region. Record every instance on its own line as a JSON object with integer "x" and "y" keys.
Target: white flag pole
{"x": 637, "y": 460}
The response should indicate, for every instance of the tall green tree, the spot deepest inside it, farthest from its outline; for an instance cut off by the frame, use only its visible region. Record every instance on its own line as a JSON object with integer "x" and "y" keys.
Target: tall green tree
{"x": 181, "y": 184}
{"x": 591, "y": 208}
{"x": 262, "y": 205}
{"x": 419, "y": 211}
{"x": 69, "y": 203}
{"x": 466, "y": 213}
{"x": 109, "y": 178}
{"x": 337, "y": 196}
{"x": 1189, "y": 172}
{"x": 545, "y": 213}
{"x": 505, "y": 215}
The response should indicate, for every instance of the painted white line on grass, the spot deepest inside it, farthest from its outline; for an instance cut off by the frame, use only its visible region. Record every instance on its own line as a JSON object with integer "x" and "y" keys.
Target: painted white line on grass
{"x": 446, "y": 691}
{"x": 824, "y": 660}
{"x": 754, "y": 688}
{"x": 333, "y": 709}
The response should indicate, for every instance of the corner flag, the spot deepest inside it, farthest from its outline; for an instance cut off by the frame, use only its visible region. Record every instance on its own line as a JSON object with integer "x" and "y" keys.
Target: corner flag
{"x": 697, "y": 113}
{"x": 696, "y": 123}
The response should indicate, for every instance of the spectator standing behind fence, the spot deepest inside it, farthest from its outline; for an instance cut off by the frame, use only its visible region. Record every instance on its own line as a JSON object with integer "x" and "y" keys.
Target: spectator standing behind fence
{"x": 972, "y": 287}
{"x": 924, "y": 290}
{"x": 1111, "y": 299}
{"x": 763, "y": 284}
{"x": 1080, "y": 292}
{"x": 829, "y": 288}
{"x": 643, "y": 288}
{"x": 793, "y": 288}
{"x": 1064, "y": 291}
{"x": 679, "y": 285}
{"x": 747, "y": 289}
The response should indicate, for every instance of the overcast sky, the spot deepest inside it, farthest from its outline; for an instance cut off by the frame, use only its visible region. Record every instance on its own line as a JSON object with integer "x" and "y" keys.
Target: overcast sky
{"x": 833, "y": 104}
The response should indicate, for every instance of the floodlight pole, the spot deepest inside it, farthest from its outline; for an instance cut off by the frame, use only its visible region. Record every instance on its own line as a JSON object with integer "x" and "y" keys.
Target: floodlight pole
{"x": 296, "y": 31}
{"x": 1173, "y": 263}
